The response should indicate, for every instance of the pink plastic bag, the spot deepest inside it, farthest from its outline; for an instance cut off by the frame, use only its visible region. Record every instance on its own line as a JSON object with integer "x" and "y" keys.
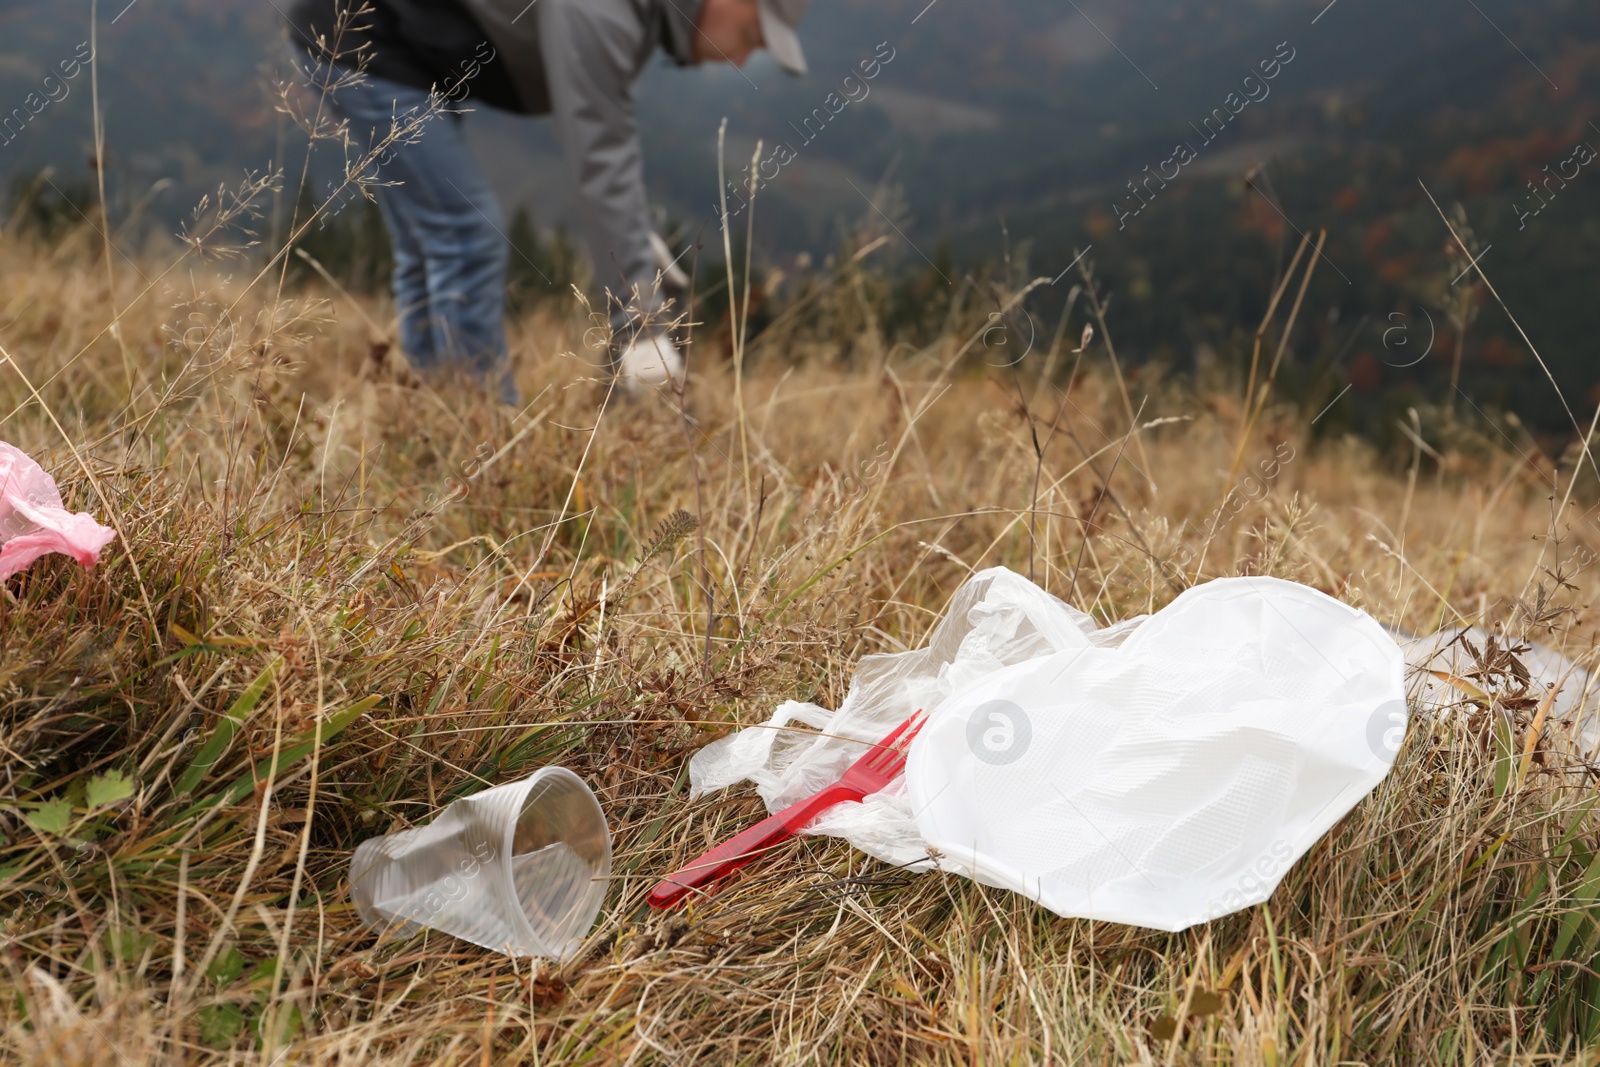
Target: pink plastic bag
{"x": 32, "y": 521}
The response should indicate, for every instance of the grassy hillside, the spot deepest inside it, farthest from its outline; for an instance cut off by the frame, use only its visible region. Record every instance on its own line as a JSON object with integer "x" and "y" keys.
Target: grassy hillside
{"x": 299, "y": 520}
{"x": 1015, "y": 131}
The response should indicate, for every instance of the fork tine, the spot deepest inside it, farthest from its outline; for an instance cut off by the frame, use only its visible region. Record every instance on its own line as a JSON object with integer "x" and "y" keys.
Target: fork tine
{"x": 889, "y": 756}
{"x": 916, "y": 723}
{"x": 878, "y": 749}
{"x": 894, "y": 735}
{"x": 887, "y": 764}
{"x": 891, "y": 765}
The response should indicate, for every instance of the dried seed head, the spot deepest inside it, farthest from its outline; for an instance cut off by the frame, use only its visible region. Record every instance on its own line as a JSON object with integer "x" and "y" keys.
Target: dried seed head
{"x": 669, "y": 531}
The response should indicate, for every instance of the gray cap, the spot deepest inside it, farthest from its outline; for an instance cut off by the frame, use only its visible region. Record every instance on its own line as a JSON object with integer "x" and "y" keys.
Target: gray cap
{"x": 778, "y": 21}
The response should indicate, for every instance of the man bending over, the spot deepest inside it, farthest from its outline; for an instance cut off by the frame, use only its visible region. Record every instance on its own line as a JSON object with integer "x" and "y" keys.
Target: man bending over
{"x": 575, "y": 60}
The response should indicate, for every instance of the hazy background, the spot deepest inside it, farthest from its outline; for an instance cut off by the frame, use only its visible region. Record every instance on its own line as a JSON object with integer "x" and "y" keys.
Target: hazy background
{"x": 1013, "y": 127}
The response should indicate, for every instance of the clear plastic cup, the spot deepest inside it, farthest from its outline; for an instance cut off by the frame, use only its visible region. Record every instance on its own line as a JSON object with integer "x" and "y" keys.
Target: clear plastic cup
{"x": 521, "y": 868}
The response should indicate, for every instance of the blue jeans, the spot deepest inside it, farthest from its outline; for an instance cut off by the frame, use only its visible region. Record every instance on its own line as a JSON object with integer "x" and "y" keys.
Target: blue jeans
{"x": 444, "y": 224}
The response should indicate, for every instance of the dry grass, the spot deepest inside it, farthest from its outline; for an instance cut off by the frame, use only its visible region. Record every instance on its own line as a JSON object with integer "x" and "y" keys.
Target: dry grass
{"x": 278, "y": 500}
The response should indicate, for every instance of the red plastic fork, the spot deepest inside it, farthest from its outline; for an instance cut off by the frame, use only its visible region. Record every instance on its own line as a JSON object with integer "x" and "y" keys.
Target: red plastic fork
{"x": 881, "y": 765}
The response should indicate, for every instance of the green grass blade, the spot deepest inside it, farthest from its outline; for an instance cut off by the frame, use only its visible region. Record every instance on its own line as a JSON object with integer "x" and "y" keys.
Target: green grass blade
{"x": 298, "y": 750}
{"x": 1505, "y": 755}
{"x": 227, "y": 728}
{"x": 1583, "y": 909}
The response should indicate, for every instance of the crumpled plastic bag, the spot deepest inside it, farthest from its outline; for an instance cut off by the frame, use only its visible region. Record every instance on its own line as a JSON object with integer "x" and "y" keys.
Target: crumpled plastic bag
{"x": 32, "y": 521}
{"x": 999, "y": 625}
{"x": 1177, "y": 777}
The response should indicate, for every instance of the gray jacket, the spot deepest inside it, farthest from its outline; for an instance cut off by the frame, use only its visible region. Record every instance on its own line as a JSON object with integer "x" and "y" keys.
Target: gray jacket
{"x": 578, "y": 61}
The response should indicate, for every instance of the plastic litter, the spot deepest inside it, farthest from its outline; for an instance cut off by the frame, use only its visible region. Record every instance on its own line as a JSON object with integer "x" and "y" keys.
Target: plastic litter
{"x": 881, "y": 764}
{"x": 521, "y": 868}
{"x": 996, "y": 619}
{"x": 1173, "y": 779}
{"x": 32, "y": 521}
{"x": 1159, "y": 772}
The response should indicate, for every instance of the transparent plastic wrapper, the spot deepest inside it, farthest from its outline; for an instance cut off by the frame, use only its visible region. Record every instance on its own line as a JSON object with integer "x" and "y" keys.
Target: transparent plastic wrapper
{"x": 33, "y": 522}
{"x": 1158, "y": 772}
{"x": 521, "y": 868}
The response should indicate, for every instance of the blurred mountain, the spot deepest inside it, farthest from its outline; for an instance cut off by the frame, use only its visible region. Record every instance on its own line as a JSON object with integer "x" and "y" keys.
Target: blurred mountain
{"x": 1031, "y": 128}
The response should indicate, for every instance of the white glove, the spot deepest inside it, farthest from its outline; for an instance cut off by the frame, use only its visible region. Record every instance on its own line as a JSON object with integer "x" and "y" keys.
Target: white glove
{"x": 672, "y": 277}
{"x": 652, "y": 359}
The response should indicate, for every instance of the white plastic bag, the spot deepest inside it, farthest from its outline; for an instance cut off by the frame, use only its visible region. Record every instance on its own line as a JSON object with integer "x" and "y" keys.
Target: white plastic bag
{"x": 1177, "y": 777}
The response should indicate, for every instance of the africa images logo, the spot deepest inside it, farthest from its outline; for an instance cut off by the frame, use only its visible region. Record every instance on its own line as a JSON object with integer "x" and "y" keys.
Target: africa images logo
{"x": 999, "y": 732}
{"x": 1009, "y": 336}
{"x": 1386, "y": 729}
